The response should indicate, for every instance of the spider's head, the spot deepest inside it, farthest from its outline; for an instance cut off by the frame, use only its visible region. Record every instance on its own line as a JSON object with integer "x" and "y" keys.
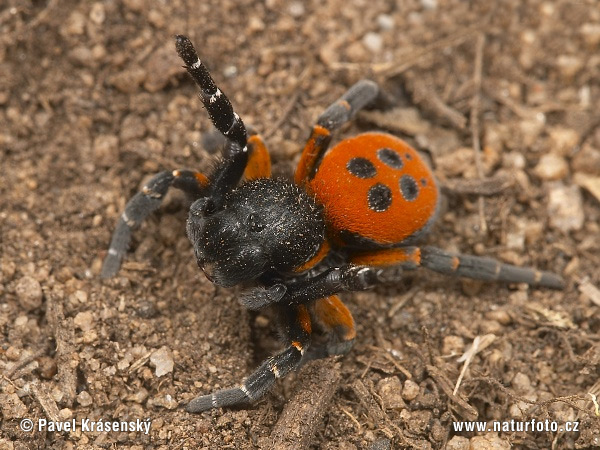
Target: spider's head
{"x": 263, "y": 225}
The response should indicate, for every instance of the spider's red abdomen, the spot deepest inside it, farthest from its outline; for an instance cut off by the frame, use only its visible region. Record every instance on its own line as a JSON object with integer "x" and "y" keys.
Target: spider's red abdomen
{"x": 375, "y": 189}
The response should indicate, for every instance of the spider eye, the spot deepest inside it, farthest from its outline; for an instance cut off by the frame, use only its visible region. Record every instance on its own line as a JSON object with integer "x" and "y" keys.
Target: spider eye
{"x": 254, "y": 223}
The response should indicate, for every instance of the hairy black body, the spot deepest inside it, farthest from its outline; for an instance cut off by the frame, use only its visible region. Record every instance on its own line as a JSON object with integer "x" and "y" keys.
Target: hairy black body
{"x": 266, "y": 226}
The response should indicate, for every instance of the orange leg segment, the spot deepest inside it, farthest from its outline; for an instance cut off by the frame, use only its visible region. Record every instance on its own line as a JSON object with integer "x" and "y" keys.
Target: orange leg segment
{"x": 317, "y": 143}
{"x": 332, "y": 314}
{"x": 259, "y": 161}
{"x": 405, "y": 256}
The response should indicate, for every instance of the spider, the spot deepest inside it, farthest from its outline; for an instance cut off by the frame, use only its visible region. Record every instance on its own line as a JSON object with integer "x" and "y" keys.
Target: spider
{"x": 347, "y": 213}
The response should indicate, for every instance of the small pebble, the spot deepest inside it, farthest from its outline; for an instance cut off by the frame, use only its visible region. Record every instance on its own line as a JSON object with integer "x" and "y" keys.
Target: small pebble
{"x": 135, "y": 5}
{"x": 65, "y": 414}
{"x": 30, "y": 294}
{"x": 589, "y": 183}
{"x": 489, "y": 442}
{"x": 458, "y": 443}
{"x": 47, "y": 367}
{"x": 84, "y": 320}
{"x": 13, "y": 353}
{"x": 551, "y": 167}
{"x": 128, "y": 81}
{"x": 84, "y": 398}
{"x": 410, "y": 390}
{"x": 429, "y": 4}
{"x": 255, "y": 24}
{"x": 162, "y": 65}
{"x": 591, "y": 33}
{"x": 106, "y": 149}
{"x": 373, "y": 42}
{"x": 499, "y": 315}
{"x": 165, "y": 401}
{"x": 97, "y": 13}
{"x": 587, "y": 160}
{"x": 296, "y": 9}
{"x": 563, "y": 140}
{"x": 521, "y": 383}
{"x": 162, "y": 360}
{"x": 565, "y": 207}
{"x": 530, "y": 130}
{"x": 138, "y": 396}
{"x": 569, "y": 65}
{"x": 453, "y": 345}
{"x": 385, "y": 22}
{"x": 390, "y": 390}
{"x": 75, "y": 24}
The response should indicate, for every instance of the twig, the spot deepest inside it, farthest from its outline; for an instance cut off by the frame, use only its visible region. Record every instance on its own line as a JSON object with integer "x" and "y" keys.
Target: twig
{"x": 479, "y": 344}
{"x": 482, "y": 187}
{"x": 304, "y": 412}
{"x": 428, "y": 99}
{"x": 394, "y": 68}
{"x": 64, "y": 336}
{"x": 42, "y": 15}
{"x": 477, "y": 77}
{"x": 45, "y": 400}
{"x": 352, "y": 418}
{"x": 466, "y": 410}
{"x": 24, "y": 362}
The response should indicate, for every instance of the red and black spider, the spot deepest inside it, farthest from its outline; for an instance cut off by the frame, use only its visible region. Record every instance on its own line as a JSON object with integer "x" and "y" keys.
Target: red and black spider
{"x": 353, "y": 209}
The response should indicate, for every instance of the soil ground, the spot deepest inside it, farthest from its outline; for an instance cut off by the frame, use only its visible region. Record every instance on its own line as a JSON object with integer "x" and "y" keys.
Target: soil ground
{"x": 93, "y": 101}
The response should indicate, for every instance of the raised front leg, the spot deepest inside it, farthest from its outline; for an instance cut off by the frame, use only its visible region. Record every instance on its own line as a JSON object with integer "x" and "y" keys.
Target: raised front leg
{"x": 229, "y": 172}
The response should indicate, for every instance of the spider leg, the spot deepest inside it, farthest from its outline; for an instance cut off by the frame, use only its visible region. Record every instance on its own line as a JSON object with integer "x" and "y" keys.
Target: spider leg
{"x": 224, "y": 118}
{"x": 487, "y": 269}
{"x": 297, "y": 329}
{"x": 341, "y": 111}
{"x": 216, "y": 103}
{"x": 347, "y": 278}
{"x": 259, "y": 161}
{"x": 141, "y": 205}
{"x": 331, "y": 313}
{"x": 469, "y": 266}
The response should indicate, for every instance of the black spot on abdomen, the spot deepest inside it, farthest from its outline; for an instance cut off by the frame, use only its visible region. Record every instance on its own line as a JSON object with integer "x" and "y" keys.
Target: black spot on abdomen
{"x": 361, "y": 168}
{"x": 379, "y": 197}
{"x": 390, "y": 158}
{"x": 409, "y": 188}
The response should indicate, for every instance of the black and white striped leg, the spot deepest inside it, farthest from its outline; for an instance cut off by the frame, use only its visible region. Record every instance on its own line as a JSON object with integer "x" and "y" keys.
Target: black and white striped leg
{"x": 297, "y": 327}
{"x": 223, "y": 117}
{"x": 216, "y": 103}
{"x": 486, "y": 269}
{"x": 141, "y": 205}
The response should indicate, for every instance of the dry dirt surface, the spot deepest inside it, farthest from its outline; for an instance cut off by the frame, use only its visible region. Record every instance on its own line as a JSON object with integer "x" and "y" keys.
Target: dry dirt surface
{"x": 503, "y": 96}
